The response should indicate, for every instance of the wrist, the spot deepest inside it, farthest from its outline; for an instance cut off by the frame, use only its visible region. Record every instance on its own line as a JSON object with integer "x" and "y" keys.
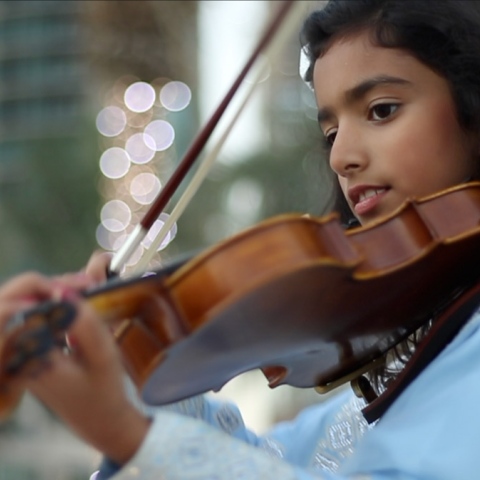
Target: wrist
{"x": 122, "y": 445}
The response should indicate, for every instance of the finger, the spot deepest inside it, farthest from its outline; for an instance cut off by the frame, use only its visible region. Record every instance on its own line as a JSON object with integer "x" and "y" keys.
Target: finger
{"x": 27, "y": 285}
{"x": 69, "y": 284}
{"x": 91, "y": 339}
{"x": 98, "y": 266}
{"x": 54, "y": 370}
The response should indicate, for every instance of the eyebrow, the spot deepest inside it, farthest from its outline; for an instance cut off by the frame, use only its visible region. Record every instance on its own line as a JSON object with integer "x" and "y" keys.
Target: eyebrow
{"x": 359, "y": 91}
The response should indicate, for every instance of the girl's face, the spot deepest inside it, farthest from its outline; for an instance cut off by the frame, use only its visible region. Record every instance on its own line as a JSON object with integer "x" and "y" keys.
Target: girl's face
{"x": 392, "y": 125}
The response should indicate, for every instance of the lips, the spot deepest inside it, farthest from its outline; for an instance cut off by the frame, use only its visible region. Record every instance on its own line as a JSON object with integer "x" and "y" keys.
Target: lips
{"x": 365, "y": 198}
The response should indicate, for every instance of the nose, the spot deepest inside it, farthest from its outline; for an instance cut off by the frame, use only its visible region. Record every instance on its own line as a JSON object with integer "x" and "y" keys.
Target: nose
{"x": 348, "y": 154}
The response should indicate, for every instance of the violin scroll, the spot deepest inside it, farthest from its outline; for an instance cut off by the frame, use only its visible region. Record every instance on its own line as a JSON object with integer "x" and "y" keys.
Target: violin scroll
{"x": 26, "y": 338}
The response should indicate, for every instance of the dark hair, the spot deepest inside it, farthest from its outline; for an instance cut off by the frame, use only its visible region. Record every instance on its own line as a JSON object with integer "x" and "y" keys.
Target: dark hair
{"x": 442, "y": 34}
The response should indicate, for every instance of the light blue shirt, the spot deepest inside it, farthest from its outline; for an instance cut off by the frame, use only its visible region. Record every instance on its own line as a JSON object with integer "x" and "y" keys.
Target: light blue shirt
{"x": 431, "y": 432}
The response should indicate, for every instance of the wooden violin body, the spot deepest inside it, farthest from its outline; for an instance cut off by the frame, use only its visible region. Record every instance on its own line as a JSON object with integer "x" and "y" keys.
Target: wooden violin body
{"x": 300, "y": 298}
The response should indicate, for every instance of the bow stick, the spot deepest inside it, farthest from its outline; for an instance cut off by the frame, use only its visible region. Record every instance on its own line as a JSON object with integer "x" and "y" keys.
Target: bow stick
{"x": 271, "y": 53}
{"x": 141, "y": 230}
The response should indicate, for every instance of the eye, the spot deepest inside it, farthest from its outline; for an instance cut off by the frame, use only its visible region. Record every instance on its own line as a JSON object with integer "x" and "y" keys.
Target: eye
{"x": 330, "y": 137}
{"x": 382, "y": 111}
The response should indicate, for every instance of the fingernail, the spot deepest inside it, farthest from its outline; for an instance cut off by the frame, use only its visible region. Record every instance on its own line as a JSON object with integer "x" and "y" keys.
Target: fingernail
{"x": 72, "y": 342}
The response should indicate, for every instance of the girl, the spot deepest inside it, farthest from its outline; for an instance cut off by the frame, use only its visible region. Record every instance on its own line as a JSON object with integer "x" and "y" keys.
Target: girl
{"x": 397, "y": 86}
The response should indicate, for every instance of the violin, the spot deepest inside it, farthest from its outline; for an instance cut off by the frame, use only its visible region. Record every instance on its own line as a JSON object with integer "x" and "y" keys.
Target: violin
{"x": 302, "y": 299}
{"x": 30, "y": 334}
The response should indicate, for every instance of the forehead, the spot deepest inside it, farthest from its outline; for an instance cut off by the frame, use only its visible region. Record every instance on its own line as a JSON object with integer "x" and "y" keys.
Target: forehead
{"x": 353, "y": 59}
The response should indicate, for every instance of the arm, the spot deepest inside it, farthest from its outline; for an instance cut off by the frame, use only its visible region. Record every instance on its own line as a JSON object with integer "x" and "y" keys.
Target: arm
{"x": 85, "y": 388}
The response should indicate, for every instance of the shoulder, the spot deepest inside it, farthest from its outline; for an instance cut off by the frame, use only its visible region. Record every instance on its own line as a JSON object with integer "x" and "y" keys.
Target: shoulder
{"x": 434, "y": 418}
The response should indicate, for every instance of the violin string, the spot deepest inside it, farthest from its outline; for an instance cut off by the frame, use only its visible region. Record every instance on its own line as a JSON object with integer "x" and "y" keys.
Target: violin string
{"x": 272, "y": 52}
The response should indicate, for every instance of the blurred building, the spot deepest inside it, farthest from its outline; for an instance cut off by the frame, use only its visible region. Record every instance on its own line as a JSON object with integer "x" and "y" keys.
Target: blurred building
{"x": 43, "y": 75}
{"x": 58, "y": 62}
{"x": 55, "y": 57}
{"x": 44, "y": 81}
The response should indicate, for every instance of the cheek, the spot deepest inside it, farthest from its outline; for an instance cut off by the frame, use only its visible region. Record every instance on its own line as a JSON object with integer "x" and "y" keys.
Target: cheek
{"x": 450, "y": 158}
{"x": 442, "y": 159}
{"x": 443, "y": 139}
{"x": 435, "y": 146}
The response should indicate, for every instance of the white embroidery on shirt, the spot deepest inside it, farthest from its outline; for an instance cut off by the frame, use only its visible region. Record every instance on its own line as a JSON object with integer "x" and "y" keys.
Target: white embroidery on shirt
{"x": 340, "y": 438}
{"x": 273, "y": 448}
{"x": 200, "y": 453}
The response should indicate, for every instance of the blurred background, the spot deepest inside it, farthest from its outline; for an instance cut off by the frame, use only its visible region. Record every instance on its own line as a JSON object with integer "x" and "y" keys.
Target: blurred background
{"x": 99, "y": 100}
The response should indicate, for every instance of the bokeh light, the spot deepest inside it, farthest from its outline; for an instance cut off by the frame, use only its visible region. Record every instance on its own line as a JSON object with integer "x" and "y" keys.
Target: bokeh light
{"x": 111, "y": 121}
{"x": 175, "y": 96}
{"x": 115, "y": 163}
{"x": 139, "y": 148}
{"x": 145, "y": 187}
{"x": 115, "y": 215}
{"x": 105, "y": 238}
{"x": 159, "y": 135}
{"x": 139, "y": 97}
{"x": 136, "y": 151}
